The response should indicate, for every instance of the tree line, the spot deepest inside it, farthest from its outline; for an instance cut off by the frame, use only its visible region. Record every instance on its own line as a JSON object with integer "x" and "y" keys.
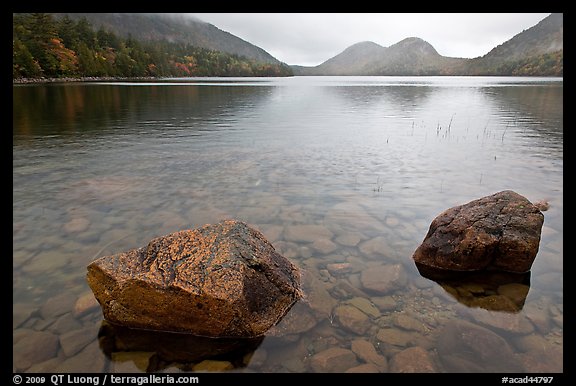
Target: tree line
{"x": 43, "y": 46}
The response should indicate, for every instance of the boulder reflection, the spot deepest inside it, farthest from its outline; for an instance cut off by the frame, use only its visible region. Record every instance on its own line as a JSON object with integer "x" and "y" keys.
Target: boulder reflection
{"x": 490, "y": 290}
{"x": 155, "y": 350}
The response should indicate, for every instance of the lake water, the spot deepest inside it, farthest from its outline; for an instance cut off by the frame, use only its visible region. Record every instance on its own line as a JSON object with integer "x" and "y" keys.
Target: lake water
{"x": 343, "y": 175}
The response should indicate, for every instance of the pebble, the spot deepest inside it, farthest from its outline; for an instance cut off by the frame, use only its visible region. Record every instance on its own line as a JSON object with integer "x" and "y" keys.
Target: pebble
{"x": 406, "y": 322}
{"x": 550, "y": 281}
{"x": 77, "y": 225}
{"x": 47, "y": 366}
{"x": 412, "y": 360}
{"x": 492, "y": 303}
{"x": 212, "y": 365}
{"x": 384, "y": 303}
{"x": 65, "y": 323}
{"x": 537, "y": 313}
{"x": 515, "y": 291}
{"x": 317, "y": 295}
{"x": 464, "y": 347}
{"x": 531, "y": 342}
{"x": 75, "y": 340}
{"x": 367, "y": 352}
{"x": 501, "y": 321}
{"x": 536, "y": 361}
{"x": 352, "y": 319}
{"x": 271, "y": 232}
{"x": 377, "y": 248}
{"x": 558, "y": 320}
{"x": 20, "y": 258}
{"x": 324, "y": 246}
{"x": 34, "y": 347}
{"x": 256, "y": 358}
{"x": 46, "y": 262}
{"x": 364, "y": 368}
{"x": 294, "y": 365}
{"x": 333, "y": 360}
{"x": 394, "y": 336}
{"x": 422, "y": 283}
{"x": 306, "y": 233}
{"x": 298, "y": 320}
{"x": 365, "y": 306}
{"x": 384, "y": 278}
{"x": 131, "y": 361}
{"x": 58, "y": 305}
{"x": 90, "y": 360}
{"x": 20, "y": 313}
{"x": 339, "y": 269}
{"x": 392, "y": 221}
{"x": 349, "y": 239}
{"x": 85, "y": 304}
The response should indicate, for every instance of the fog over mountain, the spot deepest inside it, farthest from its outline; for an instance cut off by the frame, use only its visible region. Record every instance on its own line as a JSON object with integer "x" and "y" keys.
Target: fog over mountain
{"x": 181, "y": 28}
{"x": 535, "y": 51}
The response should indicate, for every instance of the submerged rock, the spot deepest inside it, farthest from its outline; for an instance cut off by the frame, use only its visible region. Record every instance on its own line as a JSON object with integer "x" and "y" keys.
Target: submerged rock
{"x": 466, "y": 347}
{"x": 384, "y": 278}
{"x": 412, "y": 360}
{"x": 501, "y": 232}
{"x": 34, "y": 347}
{"x": 333, "y": 360}
{"x": 366, "y": 351}
{"x": 352, "y": 319}
{"x": 221, "y": 280}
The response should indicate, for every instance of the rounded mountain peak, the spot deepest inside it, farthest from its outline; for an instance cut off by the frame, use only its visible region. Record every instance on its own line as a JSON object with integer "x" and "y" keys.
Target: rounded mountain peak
{"x": 365, "y": 46}
{"x": 416, "y": 44}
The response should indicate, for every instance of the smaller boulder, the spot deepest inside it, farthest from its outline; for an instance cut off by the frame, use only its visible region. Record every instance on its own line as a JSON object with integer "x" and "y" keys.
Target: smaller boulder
{"x": 499, "y": 232}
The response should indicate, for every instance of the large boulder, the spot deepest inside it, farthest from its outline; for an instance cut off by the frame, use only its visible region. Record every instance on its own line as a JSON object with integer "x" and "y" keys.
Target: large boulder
{"x": 220, "y": 280}
{"x": 500, "y": 232}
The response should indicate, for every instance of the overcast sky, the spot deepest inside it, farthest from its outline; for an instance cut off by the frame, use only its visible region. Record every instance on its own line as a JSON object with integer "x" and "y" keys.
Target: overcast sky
{"x": 311, "y": 38}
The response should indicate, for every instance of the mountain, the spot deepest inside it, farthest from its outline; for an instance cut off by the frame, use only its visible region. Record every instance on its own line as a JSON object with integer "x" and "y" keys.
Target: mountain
{"x": 538, "y": 50}
{"x": 351, "y": 61}
{"x": 411, "y": 56}
{"x": 535, "y": 51}
{"x": 174, "y": 28}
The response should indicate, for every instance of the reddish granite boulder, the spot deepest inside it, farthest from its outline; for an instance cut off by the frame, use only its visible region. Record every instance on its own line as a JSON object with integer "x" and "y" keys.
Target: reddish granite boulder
{"x": 501, "y": 232}
{"x": 220, "y": 280}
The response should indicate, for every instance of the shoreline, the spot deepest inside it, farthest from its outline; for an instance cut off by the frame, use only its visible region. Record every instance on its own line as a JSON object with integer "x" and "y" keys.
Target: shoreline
{"x": 81, "y": 79}
{"x": 85, "y": 79}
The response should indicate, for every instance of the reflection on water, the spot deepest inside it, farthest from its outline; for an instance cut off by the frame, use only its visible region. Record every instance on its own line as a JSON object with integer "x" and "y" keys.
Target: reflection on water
{"x": 491, "y": 290}
{"x": 342, "y": 175}
{"x": 154, "y": 350}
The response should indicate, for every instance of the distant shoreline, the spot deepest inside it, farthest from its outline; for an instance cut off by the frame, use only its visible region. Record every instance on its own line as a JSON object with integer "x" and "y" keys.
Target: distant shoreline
{"x": 81, "y": 79}
{"x": 152, "y": 78}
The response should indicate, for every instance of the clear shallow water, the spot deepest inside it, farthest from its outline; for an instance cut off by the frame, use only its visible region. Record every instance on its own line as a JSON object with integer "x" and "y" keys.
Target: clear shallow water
{"x": 342, "y": 174}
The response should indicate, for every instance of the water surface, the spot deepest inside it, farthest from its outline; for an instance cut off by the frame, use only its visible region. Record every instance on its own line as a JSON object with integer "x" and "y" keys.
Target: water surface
{"x": 342, "y": 174}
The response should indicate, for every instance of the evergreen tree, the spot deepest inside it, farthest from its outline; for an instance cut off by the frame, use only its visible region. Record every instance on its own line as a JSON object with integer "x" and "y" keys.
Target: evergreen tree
{"x": 23, "y": 64}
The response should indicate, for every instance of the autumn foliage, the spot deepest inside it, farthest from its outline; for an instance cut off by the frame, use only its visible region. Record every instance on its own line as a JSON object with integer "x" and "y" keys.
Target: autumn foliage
{"x": 43, "y": 46}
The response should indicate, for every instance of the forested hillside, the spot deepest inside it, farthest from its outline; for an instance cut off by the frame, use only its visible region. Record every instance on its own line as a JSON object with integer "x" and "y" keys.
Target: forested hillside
{"x": 53, "y": 48}
{"x": 173, "y": 27}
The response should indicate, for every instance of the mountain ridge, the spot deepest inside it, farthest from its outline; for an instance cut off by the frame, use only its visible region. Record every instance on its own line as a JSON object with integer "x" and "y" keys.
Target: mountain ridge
{"x": 175, "y": 28}
{"x": 535, "y": 51}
